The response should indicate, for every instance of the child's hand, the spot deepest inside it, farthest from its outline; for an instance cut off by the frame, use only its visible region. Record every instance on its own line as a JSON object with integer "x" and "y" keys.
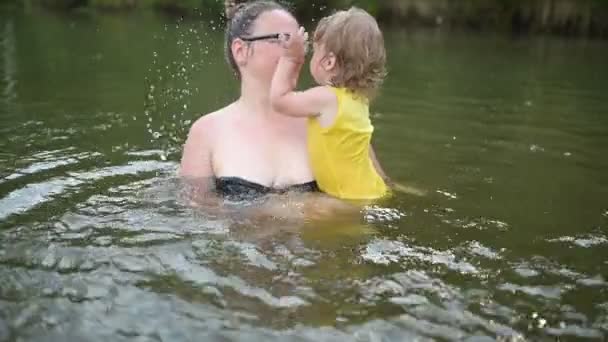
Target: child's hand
{"x": 295, "y": 45}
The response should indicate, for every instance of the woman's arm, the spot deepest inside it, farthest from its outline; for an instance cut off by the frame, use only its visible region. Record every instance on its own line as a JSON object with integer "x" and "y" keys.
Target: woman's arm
{"x": 196, "y": 169}
{"x": 196, "y": 157}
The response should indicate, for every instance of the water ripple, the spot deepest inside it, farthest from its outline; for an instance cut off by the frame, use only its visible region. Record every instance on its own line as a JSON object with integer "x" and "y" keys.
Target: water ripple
{"x": 387, "y": 251}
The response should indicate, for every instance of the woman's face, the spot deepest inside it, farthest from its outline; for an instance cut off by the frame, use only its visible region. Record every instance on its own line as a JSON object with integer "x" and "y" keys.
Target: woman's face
{"x": 261, "y": 56}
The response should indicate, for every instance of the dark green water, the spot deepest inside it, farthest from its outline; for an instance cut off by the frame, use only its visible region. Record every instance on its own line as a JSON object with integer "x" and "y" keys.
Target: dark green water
{"x": 508, "y": 135}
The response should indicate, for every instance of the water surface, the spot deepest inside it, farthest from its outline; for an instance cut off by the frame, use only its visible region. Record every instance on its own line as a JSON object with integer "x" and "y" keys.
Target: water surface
{"x": 508, "y": 135}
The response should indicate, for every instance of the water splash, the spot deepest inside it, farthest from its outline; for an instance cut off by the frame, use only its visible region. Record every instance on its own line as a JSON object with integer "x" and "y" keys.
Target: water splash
{"x": 377, "y": 213}
{"x": 447, "y": 194}
{"x": 169, "y": 87}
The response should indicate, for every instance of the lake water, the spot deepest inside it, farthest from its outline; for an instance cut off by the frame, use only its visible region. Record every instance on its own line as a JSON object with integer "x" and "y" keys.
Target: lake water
{"x": 507, "y": 135}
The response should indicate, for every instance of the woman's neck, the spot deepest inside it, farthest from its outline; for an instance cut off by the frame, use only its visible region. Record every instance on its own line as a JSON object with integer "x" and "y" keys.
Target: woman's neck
{"x": 255, "y": 97}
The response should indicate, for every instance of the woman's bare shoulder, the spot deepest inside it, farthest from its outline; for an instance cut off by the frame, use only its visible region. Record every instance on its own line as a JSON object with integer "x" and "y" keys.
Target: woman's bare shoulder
{"x": 211, "y": 123}
{"x": 202, "y": 140}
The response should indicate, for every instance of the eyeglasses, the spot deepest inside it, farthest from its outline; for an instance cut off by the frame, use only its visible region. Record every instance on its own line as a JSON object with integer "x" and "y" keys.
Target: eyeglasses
{"x": 272, "y": 36}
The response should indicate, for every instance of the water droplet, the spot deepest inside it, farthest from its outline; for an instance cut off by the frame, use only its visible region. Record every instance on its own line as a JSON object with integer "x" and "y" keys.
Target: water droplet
{"x": 536, "y": 148}
{"x": 447, "y": 194}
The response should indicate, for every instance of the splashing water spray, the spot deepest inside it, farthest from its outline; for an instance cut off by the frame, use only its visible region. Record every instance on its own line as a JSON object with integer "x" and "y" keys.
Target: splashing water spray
{"x": 169, "y": 89}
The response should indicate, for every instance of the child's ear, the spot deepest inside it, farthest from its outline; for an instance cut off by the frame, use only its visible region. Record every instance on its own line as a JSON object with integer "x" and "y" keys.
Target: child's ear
{"x": 329, "y": 62}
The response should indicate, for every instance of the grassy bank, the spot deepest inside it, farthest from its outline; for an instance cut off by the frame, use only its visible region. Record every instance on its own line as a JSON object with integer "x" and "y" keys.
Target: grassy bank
{"x": 574, "y": 17}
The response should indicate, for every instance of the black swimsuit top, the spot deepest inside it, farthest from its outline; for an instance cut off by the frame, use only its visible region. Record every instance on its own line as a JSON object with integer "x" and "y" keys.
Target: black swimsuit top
{"x": 235, "y": 188}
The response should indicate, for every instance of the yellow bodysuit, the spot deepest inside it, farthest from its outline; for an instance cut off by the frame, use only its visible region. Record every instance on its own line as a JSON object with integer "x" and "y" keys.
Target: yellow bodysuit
{"x": 339, "y": 154}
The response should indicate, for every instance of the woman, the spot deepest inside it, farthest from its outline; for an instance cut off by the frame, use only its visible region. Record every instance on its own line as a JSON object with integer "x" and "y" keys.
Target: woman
{"x": 245, "y": 148}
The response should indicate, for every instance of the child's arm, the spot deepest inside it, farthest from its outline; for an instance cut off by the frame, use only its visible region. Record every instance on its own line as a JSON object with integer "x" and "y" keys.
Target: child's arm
{"x": 312, "y": 102}
{"x": 284, "y": 99}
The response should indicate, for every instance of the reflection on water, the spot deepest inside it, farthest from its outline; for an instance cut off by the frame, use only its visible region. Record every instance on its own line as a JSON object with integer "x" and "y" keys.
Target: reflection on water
{"x": 97, "y": 241}
{"x": 9, "y": 61}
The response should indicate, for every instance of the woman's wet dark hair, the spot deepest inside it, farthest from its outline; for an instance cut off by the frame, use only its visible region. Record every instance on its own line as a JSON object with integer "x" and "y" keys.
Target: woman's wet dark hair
{"x": 241, "y": 18}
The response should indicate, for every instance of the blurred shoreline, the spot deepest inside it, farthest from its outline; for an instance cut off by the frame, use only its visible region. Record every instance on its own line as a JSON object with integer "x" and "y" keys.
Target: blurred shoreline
{"x": 562, "y": 17}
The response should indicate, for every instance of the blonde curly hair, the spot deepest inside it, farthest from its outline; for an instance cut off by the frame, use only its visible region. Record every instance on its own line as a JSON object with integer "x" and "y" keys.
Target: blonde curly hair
{"x": 354, "y": 37}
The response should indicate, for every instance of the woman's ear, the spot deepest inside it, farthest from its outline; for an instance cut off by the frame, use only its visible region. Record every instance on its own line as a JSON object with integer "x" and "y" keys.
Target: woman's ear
{"x": 239, "y": 51}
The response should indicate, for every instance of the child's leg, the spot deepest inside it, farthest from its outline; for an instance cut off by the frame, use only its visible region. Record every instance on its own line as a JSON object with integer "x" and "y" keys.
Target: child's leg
{"x": 393, "y": 185}
{"x": 406, "y": 189}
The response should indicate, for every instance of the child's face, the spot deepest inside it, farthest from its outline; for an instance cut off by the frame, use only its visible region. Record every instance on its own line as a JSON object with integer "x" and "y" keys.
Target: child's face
{"x": 321, "y": 64}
